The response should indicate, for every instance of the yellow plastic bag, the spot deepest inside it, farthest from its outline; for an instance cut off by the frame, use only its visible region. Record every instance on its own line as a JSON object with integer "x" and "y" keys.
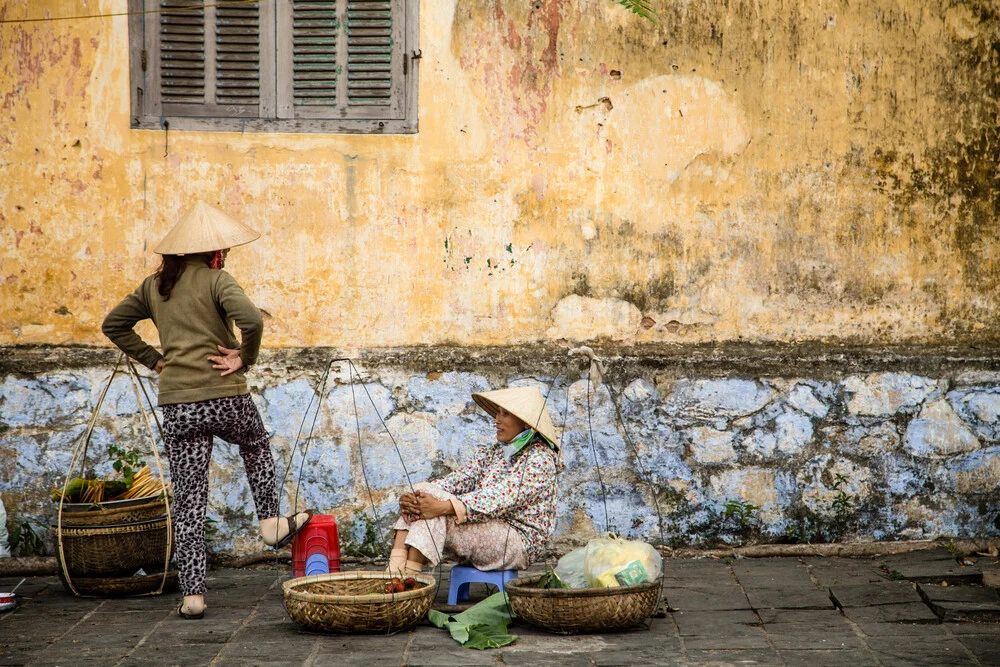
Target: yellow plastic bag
{"x": 616, "y": 562}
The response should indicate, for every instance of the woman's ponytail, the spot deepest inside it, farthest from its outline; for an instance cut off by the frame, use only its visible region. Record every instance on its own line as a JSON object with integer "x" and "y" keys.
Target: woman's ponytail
{"x": 167, "y": 275}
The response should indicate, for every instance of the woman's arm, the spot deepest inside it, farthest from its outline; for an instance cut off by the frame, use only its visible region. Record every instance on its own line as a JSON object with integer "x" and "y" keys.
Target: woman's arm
{"x": 532, "y": 475}
{"x": 119, "y": 326}
{"x": 466, "y": 478}
{"x": 420, "y": 505}
{"x": 238, "y": 307}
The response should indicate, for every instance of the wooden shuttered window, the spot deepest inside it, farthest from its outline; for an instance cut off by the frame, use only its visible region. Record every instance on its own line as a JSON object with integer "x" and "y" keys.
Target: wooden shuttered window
{"x": 275, "y": 65}
{"x": 342, "y": 59}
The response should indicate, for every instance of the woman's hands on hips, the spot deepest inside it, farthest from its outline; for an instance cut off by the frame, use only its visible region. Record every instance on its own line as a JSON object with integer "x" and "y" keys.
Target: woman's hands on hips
{"x": 421, "y": 505}
{"x": 229, "y": 363}
{"x": 159, "y": 366}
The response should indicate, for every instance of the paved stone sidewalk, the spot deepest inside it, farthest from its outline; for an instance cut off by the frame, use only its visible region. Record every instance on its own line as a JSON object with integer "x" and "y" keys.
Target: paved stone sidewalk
{"x": 777, "y": 611}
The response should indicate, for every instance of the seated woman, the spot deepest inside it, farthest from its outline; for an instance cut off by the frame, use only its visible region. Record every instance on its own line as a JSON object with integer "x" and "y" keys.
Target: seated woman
{"x": 496, "y": 512}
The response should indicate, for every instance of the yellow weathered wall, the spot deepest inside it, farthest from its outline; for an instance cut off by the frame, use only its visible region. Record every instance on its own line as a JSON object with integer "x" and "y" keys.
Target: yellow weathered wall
{"x": 757, "y": 170}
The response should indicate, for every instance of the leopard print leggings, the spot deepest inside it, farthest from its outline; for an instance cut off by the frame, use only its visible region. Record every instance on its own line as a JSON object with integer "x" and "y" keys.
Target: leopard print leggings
{"x": 187, "y": 432}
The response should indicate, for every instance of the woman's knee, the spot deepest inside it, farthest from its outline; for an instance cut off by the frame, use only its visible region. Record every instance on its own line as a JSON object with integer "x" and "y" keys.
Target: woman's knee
{"x": 432, "y": 489}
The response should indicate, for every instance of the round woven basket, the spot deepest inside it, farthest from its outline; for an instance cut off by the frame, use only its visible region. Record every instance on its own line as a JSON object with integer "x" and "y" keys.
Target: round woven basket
{"x": 114, "y": 587}
{"x": 356, "y": 602}
{"x": 120, "y": 549}
{"x": 113, "y": 513}
{"x": 572, "y": 610}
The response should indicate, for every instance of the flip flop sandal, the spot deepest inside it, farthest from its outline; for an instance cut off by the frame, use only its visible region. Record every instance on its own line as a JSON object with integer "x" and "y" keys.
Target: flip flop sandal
{"x": 292, "y": 532}
{"x": 189, "y": 617}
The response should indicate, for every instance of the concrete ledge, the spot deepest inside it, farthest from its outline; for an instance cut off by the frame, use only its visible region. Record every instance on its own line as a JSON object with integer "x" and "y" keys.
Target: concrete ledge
{"x": 814, "y": 359}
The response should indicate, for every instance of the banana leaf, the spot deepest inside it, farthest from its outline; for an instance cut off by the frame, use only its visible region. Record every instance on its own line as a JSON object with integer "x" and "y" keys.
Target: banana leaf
{"x": 481, "y": 626}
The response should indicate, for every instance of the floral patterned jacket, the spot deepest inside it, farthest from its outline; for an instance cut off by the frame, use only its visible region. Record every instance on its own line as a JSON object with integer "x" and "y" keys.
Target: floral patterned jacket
{"x": 520, "y": 491}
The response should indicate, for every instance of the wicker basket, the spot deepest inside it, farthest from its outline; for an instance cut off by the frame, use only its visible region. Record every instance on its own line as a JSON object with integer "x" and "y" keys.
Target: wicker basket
{"x": 114, "y": 587}
{"x": 113, "y": 513}
{"x": 120, "y": 549}
{"x": 355, "y": 602}
{"x": 572, "y": 610}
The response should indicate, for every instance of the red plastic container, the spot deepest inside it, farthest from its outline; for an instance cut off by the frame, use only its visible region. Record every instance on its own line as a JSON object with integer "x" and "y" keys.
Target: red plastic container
{"x": 318, "y": 537}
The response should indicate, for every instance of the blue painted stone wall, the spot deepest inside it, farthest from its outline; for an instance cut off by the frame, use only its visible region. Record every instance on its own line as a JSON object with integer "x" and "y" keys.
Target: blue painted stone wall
{"x": 882, "y": 455}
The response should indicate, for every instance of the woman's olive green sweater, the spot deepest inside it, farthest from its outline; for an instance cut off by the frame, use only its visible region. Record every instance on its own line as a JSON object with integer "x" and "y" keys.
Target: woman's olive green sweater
{"x": 196, "y": 318}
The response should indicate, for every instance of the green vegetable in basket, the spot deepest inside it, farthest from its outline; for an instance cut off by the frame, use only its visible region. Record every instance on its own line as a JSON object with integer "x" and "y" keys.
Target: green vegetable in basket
{"x": 73, "y": 490}
{"x": 81, "y": 490}
{"x": 114, "y": 488}
{"x": 551, "y": 580}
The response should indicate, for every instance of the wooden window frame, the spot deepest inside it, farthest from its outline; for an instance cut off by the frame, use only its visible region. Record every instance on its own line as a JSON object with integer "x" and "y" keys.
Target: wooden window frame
{"x": 145, "y": 93}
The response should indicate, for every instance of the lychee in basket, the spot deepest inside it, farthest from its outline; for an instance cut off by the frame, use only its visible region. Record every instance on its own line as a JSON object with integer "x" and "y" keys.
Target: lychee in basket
{"x": 356, "y": 602}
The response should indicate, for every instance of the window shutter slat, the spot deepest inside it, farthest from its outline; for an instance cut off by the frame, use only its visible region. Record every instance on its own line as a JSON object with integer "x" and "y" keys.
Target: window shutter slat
{"x": 315, "y": 32}
{"x": 369, "y": 52}
{"x": 182, "y": 52}
{"x": 237, "y": 59}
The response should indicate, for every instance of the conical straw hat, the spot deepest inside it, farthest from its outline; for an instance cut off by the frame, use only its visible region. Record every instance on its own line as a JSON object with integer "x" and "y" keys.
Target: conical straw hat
{"x": 525, "y": 403}
{"x": 205, "y": 229}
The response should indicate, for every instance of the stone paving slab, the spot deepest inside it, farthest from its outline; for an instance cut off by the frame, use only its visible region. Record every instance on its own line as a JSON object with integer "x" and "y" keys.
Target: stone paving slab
{"x": 720, "y": 630}
{"x": 833, "y": 571}
{"x": 727, "y": 658}
{"x": 81, "y": 656}
{"x": 706, "y": 595}
{"x": 771, "y": 572}
{"x": 342, "y": 661}
{"x": 985, "y": 648}
{"x": 809, "y": 630}
{"x": 908, "y": 651}
{"x": 812, "y": 638}
{"x": 939, "y": 593}
{"x": 791, "y": 597}
{"x": 833, "y": 658}
{"x": 932, "y": 566}
{"x": 870, "y": 627}
{"x": 911, "y": 612}
{"x": 778, "y": 616}
{"x": 867, "y": 595}
{"x": 961, "y": 603}
{"x": 973, "y": 628}
{"x": 966, "y": 611}
{"x": 714, "y": 624}
{"x": 709, "y": 623}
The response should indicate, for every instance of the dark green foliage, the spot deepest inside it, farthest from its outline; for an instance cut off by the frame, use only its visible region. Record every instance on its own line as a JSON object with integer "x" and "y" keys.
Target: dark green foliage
{"x": 815, "y": 528}
{"x": 126, "y": 461}
{"x": 24, "y": 541}
{"x": 371, "y": 544}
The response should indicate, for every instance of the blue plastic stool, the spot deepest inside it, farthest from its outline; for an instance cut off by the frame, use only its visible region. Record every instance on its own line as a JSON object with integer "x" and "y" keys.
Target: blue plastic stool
{"x": 462, "y": 576}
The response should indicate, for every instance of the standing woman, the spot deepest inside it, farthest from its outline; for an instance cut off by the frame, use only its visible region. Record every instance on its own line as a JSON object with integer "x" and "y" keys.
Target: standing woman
{"x": 202, "y": 386}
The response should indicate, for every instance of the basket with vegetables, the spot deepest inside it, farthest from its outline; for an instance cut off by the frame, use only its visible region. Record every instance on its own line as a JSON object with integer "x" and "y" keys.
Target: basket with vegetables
{"x": 113, "y": 527}
{"x": 358, "y": 602}
{"x": 137, "y": 496}
{"x": 611, "y": 584}
{"x": 115, "y": 536}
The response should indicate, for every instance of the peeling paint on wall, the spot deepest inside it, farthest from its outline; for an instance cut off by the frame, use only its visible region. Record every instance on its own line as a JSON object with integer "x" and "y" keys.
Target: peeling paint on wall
{"x": 917, "y": 465}
{"x": 744, "y": 171}
{"x": 763, "y": 172}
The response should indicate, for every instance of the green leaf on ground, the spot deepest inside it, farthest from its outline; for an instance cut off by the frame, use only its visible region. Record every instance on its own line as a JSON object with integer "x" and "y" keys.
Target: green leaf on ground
{"x": 487, "y": 636}
{"x": 482, "y": 626}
